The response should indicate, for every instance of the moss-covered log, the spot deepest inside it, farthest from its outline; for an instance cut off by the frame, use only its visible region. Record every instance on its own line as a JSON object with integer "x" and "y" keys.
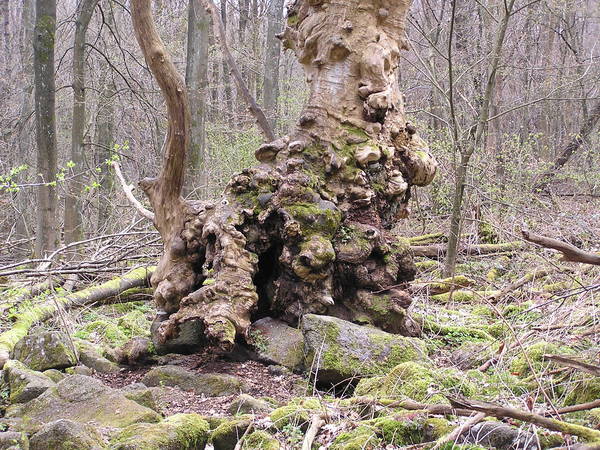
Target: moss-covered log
{"x": 29, "y": 316}
{"x": 439, "y": 250}
{"x": 308, "y": 230}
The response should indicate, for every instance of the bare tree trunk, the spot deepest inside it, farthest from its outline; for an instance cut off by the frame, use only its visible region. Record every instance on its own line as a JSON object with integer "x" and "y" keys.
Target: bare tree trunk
{"x": 104, "y": 137}
{"x": 228, "y": 113}
{"x": 196, "y": 78}
{"x": 5, "y": 14}
{"x": 307, "y": 230}
{"x": 476, "y": 141}
{"x": 45, "y": 118}
{"x": 271, "y": 67}
{"x": 25, "y": 112}
{"x": 73, "y": 226}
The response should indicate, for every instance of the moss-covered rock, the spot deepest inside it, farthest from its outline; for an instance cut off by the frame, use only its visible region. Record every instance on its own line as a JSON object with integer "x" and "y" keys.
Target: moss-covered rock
{"x": 80, "y": 399}
{"x": 277, "y": 342}
{"x": 65, "y": 434}
{"x": 209, "y": 384}
{"x": 363, "y": 437}
{"x": 337, "y": 350}
{"x": 55, "y": 375}
{"x": 229, "y": 432}
{"x": 472, "y": 354}
{"x": 178, "y": 432}
{"x": 24, "y": 384}
{"x": 46, "y": 350}
{"x": 150, "y": 397}
{"x": 296, "y": 413}
{"x": 417, "y": 382}
{"x": 11, "y": 440}
{"x": 260, "y": 440}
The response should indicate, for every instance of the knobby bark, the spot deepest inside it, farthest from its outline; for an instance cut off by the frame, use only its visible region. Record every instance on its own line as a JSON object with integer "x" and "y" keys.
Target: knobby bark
{"x": 308, "y": 229}
{"x": 45, "y": 119}
{"x": 73, "y": 227}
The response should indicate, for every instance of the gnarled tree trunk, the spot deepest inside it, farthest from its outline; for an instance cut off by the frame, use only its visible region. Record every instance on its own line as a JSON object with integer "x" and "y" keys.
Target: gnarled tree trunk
{"x": 306, "y": 230}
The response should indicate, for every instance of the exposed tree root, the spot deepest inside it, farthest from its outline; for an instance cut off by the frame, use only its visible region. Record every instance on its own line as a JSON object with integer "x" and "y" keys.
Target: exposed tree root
{"x": 94, "y": 294}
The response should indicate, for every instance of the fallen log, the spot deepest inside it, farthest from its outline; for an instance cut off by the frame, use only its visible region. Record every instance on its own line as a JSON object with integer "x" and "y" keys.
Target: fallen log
{"x": 39, "y": 313}
{"x": 501, "y": 412}
{"x": 569, "y": 251}
{"x": 439, "y": 250}
{"x": 446, "y": 285}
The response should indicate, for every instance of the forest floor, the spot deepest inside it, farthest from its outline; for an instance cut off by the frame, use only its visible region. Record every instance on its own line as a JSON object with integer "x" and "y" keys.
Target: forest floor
{"x": 495, "y": 345}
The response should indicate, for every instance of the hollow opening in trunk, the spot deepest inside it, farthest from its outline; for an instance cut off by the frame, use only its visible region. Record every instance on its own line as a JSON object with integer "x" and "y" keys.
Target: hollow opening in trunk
{"x": 268, "y": 272}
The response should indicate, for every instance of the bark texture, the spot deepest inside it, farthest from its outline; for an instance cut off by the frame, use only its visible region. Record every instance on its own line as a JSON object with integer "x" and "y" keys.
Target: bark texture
{"x": 45, "y": 120}
{"x": 306, "y": 230}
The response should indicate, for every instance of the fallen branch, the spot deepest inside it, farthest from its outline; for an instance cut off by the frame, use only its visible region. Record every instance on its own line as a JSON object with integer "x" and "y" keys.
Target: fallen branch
{"x": 255, "y": 110}
{"x": 532, "y": 276}
{"x": 570, "y": 252}
{"x": 439, "y": 250}
{"x": 575, "y": 364}
{"x": 439, "y": 409}
{"x": 128, "y": 189}
{"x": 574, "y": 408}
{"x": 501, "y": 412}
{"x": 316, "y": 422}
{"x": 94, "y": 294}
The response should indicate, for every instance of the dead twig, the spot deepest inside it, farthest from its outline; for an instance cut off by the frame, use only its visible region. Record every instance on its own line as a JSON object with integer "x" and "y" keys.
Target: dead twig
{"x": 128, "y": 189}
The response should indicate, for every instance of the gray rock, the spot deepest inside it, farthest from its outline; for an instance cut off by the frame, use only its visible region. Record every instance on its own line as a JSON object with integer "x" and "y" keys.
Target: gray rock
{"x": 66, "y": 434}
{"x": 90, "y": 357}
{"x": 11, "y": 440}
{"x": 134, "y": 352}
{"x": 499, "y": 436}
{"x": 276, "y": 342}
{"x": 80, "y": 399}
{"x": 46, "y": 350}
{"x": 79, "y": 370}
{"x": 209, "y": 384}
{"x": 246, "y": 404}
{"x": 24, "y": 384}
{"x": 337, "y": 350}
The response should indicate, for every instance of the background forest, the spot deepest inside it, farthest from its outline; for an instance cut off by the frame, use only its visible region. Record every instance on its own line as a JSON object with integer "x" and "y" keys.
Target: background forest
{"x": 506, "y": 96}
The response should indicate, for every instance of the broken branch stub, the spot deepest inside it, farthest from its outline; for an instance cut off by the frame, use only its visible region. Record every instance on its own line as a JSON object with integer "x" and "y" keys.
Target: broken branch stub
{"x": 307, "y": 230}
